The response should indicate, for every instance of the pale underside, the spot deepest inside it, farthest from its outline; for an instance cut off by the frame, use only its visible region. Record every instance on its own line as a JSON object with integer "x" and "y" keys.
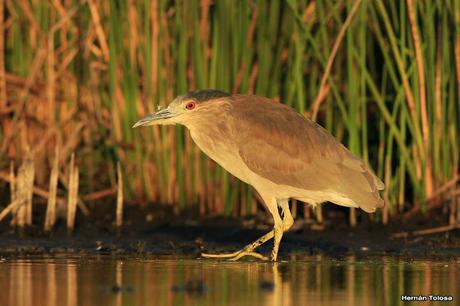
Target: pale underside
{"x": 283, "y": 154}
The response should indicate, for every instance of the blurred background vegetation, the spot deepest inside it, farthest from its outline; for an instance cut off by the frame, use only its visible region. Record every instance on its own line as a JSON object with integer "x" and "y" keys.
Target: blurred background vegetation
{"x": 75, "y": 75}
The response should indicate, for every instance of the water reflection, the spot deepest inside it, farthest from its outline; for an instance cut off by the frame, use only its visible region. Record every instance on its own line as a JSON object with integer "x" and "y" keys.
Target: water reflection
{"x": 310, "y": 281}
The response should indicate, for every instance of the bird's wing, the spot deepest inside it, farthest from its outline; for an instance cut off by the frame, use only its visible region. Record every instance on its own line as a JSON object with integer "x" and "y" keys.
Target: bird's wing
{"x": 280, "y": 144}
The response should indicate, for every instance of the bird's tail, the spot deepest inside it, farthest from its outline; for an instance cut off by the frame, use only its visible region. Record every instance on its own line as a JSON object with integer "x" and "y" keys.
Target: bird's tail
{"x": 362, "y": 186}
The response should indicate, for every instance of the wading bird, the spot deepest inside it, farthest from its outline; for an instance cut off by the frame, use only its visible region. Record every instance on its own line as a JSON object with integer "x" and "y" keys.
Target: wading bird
{"x": 275, "y": 149}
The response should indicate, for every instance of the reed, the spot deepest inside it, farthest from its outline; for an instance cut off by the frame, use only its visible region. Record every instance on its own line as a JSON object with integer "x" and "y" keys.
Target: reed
{"x": 119, "y": 211}
{"x": 50, "y": 218}
{"x": 10, "y": 208}
{"x": 73, "y": 194}
{"x": 14, "y": 208}
{"x": 26, "y": 185}
{"x": 382, "y": 76}
{"x": 24, "y": 191}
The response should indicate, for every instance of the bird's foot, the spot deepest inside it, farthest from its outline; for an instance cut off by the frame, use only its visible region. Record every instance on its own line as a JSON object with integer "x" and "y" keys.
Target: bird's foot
{"x": 249, "y": 253}
{"x": 236, "y": 255}
{"x": 246, "y": 251}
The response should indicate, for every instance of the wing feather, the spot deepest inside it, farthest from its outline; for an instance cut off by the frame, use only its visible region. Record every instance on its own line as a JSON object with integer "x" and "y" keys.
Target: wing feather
{"x": 280, "y": 144}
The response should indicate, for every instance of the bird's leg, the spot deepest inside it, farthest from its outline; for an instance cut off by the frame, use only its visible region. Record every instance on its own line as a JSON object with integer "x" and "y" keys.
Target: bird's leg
{"x": 249, "y": 249}
{"x": 281, "y": 226}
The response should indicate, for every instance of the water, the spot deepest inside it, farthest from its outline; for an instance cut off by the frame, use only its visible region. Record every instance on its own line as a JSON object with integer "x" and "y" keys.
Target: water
{"x": 313, "y": 280}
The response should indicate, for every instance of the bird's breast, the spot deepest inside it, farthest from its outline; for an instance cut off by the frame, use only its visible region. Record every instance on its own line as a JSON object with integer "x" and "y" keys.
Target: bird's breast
{"x": 218, "y": 145}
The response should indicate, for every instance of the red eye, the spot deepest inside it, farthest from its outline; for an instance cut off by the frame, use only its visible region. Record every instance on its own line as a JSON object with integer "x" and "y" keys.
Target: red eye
{"x": 190, "y": 105}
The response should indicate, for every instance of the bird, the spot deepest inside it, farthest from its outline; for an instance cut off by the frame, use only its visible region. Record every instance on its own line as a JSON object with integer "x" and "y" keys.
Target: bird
{"x": 282, "y": 154}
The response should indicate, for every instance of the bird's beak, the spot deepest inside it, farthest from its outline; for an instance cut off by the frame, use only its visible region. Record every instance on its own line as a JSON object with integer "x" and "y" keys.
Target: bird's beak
{"x": 155, "y": 118}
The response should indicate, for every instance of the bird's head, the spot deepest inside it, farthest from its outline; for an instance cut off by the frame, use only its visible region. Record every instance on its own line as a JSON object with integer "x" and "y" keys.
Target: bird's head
{"x": 183, "y": 108}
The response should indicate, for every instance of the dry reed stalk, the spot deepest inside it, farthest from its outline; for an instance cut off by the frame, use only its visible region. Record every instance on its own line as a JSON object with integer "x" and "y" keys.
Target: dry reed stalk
{"x": 84, "y": 209}
{"x": 417, "y": 162}
{"x": 93, "y": 196}
{"x": 204, "y": 5}
{"x": 29, "y": 185}
{"x": 24, "y": 191}
{"x": 99, "y": 30}
{"x": 36, "y": 190}
{"x": 10, "y": 208}
{"x": 3, "y": 96}
{"x": 19, "y": 109}
{"x": 65, "y": 19}
{"x": 72, "y": 140}
{"x": 12, "y": 180}
{"x": 431, "y": 200}
{"x": 51, "y": 80}
{"x": 59, "y": 7}
{"x": 155, "y": 26}
{"x": 428, "y": 231}
{"x": 50, "y": 59}
{"x": 50, "y": 218}
{"x": 44, "y": 139}
{"x": 119, "y": 221}
{"x": 117, "y": 114}
{"x": 322, "y": 94}
{"x": 73, "y": 195}
{"x": 444, "y": 188}
{"x": 26, "y": 9}
{"x": 309, "y": 12}
{"x": 68, "y": 59}
{"x": 253, "y": 78}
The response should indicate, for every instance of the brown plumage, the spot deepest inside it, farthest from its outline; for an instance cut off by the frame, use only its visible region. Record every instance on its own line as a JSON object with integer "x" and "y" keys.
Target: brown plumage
{"x": 278, "y": 151}
{"x": 283, "y": 146}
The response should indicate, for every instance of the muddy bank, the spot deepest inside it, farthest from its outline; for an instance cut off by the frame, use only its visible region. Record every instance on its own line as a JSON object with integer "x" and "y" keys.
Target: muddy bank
{"x": 156, "y": 231}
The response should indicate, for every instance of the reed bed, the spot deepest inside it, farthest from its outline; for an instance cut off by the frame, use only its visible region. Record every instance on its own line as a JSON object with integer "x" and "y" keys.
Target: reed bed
{"x": 382, "y": 76}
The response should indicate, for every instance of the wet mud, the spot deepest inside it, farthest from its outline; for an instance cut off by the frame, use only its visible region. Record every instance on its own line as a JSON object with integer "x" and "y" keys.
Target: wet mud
{"x": 157, "y": 231}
